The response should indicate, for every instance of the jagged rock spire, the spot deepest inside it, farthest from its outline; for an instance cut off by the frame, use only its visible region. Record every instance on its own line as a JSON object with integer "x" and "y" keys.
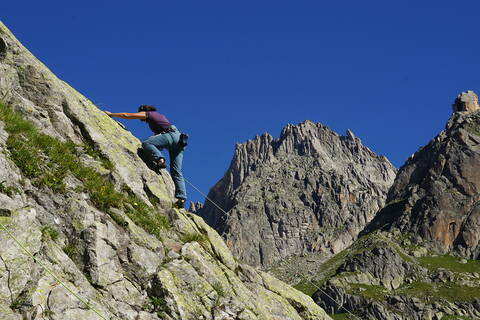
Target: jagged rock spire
{"x": 466, "y": 101}
{"x": 310, "y": 190}
{"x": 435, "y": 195}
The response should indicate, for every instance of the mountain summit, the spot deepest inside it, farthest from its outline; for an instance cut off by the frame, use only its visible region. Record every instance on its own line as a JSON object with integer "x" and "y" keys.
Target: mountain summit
{"x": 435, "y": 197}
{"x": 418, "y": 258}
{"x": 310, "y": 190}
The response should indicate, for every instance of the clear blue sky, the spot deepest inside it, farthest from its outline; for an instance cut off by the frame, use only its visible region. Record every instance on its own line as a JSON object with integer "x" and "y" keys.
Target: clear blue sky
{"x": 225, "y": 71}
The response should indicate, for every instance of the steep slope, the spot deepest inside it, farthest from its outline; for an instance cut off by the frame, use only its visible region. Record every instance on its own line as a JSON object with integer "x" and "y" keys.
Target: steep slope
{"x": 310, "y": 190}
{"x": 436, "y": 193}
{"x": 419, "y": 257}
{"x": 77, "y": 197}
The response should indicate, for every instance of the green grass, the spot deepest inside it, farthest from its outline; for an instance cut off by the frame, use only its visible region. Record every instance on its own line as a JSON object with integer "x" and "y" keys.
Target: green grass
{"x": 18, "y": 303}
{"x": 440, "y": 291}
{"x": 377, "y": 293}
{"x": 48, "y": 231}
{"x": 70, "y": 250}
{"x": 46, "y": 161}
{"x": 219, "y": 289}
{"x": 8, "y": 190}
{"x": 455, "y": 292}
{"x": 193, "y": 236}
{"x": 341, "y": 316}
{"x": 429, "y": 292}
{"x": 94, "y": 153}
{"x": 330, "y": 267}
{"x": 417, "y": 289}
{"x": 156, "y": 304}
{"x": 48, "y": 313}
{"x": 456, "y": 318}
{"x": 450, "y": 263}
{"x": 117, "y": 218}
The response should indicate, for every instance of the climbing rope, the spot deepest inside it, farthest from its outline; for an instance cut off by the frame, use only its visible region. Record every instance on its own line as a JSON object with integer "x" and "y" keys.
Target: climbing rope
{"x": 333, "y": 299}
{"x": 213, "y": 202}
{"x": 28, "y": 253}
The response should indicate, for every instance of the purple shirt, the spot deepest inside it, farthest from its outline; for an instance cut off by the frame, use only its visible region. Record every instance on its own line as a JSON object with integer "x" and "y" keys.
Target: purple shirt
{"x": 157, "y": 122}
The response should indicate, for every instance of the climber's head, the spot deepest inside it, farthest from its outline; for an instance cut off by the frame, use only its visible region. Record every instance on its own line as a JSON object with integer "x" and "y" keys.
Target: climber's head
{"x": 145, "y": 108}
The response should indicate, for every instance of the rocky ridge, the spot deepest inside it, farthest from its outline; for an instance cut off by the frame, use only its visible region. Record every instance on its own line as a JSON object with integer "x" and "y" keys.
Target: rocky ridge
{"x": 437, "y": 191}
{"x": 74, "y": 192}
{"x": 418, "y": 259}
{"x": 310, "y": 190}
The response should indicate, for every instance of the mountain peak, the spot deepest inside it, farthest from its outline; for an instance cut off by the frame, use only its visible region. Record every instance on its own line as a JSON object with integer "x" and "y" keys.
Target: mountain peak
{"x": 435, "y": 194}
{"x": 286, "y": 196}
{"x": 466, "y": 101}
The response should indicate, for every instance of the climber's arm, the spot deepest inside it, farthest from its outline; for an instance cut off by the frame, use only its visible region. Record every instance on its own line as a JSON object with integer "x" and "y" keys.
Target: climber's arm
{"x": 127, "y": 115}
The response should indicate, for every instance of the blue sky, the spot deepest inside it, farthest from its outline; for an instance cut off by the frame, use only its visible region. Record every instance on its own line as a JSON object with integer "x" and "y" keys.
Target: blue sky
{"x": 225, "y": 71}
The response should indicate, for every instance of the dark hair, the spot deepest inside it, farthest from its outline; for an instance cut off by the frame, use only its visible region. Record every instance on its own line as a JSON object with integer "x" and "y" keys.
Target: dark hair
{"x": 145, "y": 107}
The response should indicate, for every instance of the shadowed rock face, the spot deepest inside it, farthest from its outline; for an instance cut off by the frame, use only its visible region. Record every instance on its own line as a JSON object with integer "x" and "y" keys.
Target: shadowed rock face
{"x": 310, "y": 190}
{"x": 104, "y": 254}
{"x": 433, "y": 207}
{"x": 3, "y": 48}
{"x": 383, "y": 276}
{"x": 436, "y": 194}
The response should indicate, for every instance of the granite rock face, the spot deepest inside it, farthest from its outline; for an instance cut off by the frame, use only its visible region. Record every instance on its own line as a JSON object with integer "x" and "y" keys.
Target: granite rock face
{"x": 310, "y": 190}
{"x": 419, "y": 257}
{"x": 385, "y": 276}
{"x": 435, "y": 197}
{"x": 184, "y": 271}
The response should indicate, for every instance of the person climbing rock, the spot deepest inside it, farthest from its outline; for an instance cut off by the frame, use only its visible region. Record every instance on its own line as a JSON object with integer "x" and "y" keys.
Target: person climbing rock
{"x": 167, "y": 136}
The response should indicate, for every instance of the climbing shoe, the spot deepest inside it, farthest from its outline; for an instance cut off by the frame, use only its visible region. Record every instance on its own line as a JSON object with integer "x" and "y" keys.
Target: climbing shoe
{"x": 160, "y": 164}
{"x": 179, "y": 204}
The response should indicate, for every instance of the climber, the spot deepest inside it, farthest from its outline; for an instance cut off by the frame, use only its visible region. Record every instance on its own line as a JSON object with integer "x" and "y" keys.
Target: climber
{"x": 167, "y": 136}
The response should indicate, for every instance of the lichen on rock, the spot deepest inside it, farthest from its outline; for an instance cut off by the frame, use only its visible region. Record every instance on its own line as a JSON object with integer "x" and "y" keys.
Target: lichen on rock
{"x": 114, "y": 254}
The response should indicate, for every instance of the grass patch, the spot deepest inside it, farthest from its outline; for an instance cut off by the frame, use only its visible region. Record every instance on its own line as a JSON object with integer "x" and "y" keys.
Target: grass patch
{"x": 143, "y": 215}
{"x": 193, "y": 237}
{"x": 440, "y": 291}
{"x": 377, "y": 293}
{"x": 8, "y": 190}
{"x": 307, "y": 287}
{"x": 49, "y": 232}
{"x": 417, "y": 289}
{"x": 219, "y": 289}
{"x": 329, "y": 268}
{"x": 402, "y": 255}
{"x": 118, "y": 218}
{"x": 156, "y": 304}
{"x": 94, "y": 153}
{"x": 455, "y": 292}
{"x": 17, "y": 303}
{"x": 46, "y": 161}
{"x": 341, "y": 316}
{"x": 450, "y": 263}
{"x": 70, "y": 250}
{"x": 48, "y": 313}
